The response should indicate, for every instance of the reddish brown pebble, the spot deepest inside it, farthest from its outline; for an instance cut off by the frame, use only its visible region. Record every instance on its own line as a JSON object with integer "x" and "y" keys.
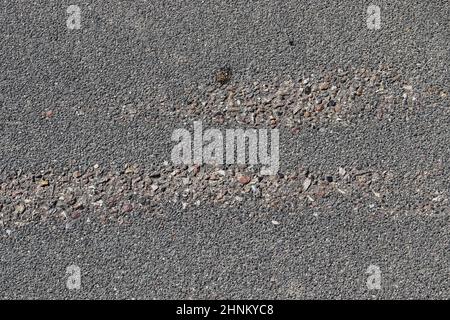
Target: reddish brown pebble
{"x": 244, "y": 179}
{"x": 75, "y": 215}
{"x": 196, "y": 169}
{"x": 76, "y": 174}
{"x": 127, "y": 208}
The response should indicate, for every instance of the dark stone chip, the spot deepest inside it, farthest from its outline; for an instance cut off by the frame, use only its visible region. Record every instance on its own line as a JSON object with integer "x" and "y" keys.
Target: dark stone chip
{"x": 223, "y": 75}
{"x": 307, "y": 90}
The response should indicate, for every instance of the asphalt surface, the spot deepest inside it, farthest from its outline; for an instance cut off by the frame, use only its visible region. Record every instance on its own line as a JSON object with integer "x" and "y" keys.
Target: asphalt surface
{"x": 147, "y": 54}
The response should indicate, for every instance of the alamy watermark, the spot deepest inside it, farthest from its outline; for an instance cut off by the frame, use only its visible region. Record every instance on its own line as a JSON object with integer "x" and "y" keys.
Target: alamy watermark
{"x": 373, "y": 17}
{"x": 233, "y": 146}
{"x": 374, "y": 278}
{"x": 73, "y": 22}
{"x": 74, "y": 279}
{"x": 373, "y": 21}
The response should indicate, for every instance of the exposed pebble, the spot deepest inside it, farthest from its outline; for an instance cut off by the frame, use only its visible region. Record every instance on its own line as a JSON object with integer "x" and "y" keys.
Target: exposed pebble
{"x": 324, "y": 86}
{"x": 244, "y": 179}
{"x": 43, "y": 183}
{"x": 20, "y": 208}
{"x": 76, "y": 174}
{"x": 306, "y": 184}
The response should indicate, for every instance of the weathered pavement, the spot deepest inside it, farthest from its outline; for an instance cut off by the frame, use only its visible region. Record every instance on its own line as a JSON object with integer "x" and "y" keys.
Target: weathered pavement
{"x": 111, "y": 93}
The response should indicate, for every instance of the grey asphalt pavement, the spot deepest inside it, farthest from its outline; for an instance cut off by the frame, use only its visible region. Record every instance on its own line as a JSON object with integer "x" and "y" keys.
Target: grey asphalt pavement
{"x": 149, "y": 55}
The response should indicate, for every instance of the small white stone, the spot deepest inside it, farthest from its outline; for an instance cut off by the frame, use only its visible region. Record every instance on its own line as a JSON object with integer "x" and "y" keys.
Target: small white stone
{"x": 221, "y": 172}
{"x": 408, "y": 88}
{"x": 306, "y": 184}
{"x": 98, "y": 203}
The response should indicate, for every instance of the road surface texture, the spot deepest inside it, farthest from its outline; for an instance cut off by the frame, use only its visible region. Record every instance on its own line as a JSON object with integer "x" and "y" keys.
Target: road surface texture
{"x": 358, "y": 209}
